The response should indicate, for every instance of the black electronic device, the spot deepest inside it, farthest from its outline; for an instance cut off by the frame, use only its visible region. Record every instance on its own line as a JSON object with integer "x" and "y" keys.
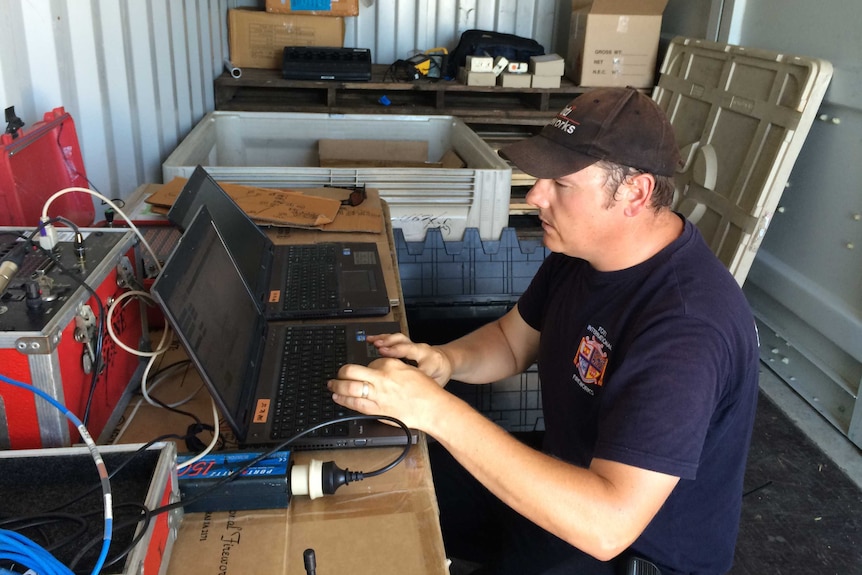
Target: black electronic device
{"x": 326, "y": 63}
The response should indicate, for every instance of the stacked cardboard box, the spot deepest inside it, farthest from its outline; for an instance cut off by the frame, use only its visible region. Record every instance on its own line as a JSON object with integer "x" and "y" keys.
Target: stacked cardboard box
{"x": 257, "y": 38}
{"x": 515, "y": 75}
{"x": 546, "y": 71}
{"x": 614, "y": 42}
{"x": 316, "y": 8}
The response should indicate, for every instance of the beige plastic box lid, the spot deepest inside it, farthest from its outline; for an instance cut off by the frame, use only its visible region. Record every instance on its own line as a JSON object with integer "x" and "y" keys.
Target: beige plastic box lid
{"x": 740, "y": 117}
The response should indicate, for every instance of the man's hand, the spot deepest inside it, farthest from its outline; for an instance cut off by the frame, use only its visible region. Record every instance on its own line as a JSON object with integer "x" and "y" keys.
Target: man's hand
{"x": 430, "y": 360}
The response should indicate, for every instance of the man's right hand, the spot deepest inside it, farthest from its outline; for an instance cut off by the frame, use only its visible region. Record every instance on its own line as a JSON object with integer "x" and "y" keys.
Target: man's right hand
{"x": 429, "y": 359}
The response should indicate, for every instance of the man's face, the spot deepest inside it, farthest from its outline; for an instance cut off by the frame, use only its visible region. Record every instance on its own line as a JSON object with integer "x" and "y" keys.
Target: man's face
{"x": 578, "y": 214}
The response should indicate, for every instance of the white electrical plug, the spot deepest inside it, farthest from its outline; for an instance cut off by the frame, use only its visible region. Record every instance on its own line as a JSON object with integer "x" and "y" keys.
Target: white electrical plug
{"x": 47, "y": 234}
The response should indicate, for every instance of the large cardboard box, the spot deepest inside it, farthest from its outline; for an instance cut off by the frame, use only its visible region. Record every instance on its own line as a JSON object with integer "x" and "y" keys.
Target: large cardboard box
{"x": 315, "y": 7}
{"x": 257, "y": 39}
{"x": 614, "y": 42}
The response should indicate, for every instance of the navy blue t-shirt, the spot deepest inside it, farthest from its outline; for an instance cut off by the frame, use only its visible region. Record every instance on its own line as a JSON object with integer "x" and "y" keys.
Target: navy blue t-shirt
{"x": 654, "y": 366}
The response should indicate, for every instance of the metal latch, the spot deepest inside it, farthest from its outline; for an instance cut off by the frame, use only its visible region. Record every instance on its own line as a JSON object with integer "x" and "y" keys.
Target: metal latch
{"x": 126, "y": 277}
{"x": 85, "y": 323}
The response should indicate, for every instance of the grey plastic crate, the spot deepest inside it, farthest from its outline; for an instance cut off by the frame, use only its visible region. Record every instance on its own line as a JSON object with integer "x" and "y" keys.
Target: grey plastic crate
{"x": 280, "y": 150}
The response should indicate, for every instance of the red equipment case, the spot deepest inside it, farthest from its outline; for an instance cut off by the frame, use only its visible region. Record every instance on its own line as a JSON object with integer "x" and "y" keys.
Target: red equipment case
{"x": 50, "y": 349}
{"x": 36, "y": 163}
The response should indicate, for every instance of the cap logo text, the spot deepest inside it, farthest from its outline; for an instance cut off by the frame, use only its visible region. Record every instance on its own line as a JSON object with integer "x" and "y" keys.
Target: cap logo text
{"x": 563, "y": 123}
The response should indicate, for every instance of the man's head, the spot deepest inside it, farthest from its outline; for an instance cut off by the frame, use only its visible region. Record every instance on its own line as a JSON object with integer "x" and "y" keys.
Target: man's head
{"x": 604, "y": 167}
{"x": 621, "y": 126}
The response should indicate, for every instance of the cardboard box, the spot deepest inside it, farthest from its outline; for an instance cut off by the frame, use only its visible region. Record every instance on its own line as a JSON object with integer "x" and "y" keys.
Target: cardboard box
{"x": 509, "y": 80}
{"x": 614, "y": 42}
{"x": 545, "y": 81}
{"x": 257, "y": 39}
{"x": 314, "y": 7}
{"x": 470, "y": 78}
{"x": 374, "y": 154}
{"x": 547, "y": 65}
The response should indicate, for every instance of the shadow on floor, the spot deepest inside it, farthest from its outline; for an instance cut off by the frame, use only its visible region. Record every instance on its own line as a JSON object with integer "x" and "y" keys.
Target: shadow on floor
{"x": 802, "y": 514}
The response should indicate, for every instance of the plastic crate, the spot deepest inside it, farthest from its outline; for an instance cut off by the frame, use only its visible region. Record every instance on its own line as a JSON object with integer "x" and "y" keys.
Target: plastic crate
{"x": 469, "y": 272}
{"x": 514, "y": 403}
{"x": 453, "y": 287}
{"x": 279, "y": 150}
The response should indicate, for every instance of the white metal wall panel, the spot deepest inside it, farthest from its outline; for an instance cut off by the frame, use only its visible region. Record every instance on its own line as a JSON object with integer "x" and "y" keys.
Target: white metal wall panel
{"x": 809, "y": 266}
{"x": 134, "y": 75}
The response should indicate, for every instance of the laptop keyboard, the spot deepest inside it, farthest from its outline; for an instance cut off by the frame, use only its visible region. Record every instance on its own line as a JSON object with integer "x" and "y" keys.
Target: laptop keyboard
{"x": 311, "y": 284}
{"x": 312, "y": 355}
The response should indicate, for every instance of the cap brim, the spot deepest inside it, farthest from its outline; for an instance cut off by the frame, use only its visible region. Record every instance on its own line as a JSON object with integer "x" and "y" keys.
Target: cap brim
{"x": 542, "y": 158}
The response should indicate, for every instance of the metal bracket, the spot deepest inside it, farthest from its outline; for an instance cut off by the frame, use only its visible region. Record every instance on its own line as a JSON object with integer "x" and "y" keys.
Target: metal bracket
{"x": 40, "y": 344}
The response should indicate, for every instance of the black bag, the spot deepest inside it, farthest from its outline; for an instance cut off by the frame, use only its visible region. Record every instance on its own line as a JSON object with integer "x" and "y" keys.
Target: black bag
{"x": 485, "y": 43}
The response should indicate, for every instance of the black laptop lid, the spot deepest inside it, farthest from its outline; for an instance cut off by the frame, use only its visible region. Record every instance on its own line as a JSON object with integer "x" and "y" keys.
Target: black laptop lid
{"x": 249, "y": 245}
{"x": 209, "y": 306}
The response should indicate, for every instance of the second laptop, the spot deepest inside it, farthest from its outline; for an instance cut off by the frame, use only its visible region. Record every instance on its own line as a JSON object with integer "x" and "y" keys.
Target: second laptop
{"x": 297, "y": 281}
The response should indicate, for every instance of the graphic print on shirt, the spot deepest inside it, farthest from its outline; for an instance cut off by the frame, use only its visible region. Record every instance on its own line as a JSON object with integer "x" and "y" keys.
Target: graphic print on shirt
{"x": 591, "y": 359}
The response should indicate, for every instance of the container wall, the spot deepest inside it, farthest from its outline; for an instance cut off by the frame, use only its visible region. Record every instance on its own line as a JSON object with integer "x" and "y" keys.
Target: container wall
{"x": 807, "y": 278}
{"x": 395, "y": 29}
{"x": 134, "y": 75}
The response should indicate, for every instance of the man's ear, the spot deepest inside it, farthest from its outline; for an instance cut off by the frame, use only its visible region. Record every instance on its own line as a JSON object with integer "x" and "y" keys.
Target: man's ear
{"x": 639, "y": 189}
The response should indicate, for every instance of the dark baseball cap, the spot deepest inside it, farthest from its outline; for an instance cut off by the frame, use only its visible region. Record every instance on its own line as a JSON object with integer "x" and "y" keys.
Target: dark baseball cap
{"x": 620, "y": 125}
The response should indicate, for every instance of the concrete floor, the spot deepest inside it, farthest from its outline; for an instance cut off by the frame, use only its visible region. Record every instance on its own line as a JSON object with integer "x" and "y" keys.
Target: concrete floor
{"x": 832, "y": 442}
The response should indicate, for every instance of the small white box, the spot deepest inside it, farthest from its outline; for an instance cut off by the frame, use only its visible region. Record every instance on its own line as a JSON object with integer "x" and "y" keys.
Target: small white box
{"x": 547, "y": 65}
{"x": 509, "y": 80}
{"x": 517, "y": 68}
{"x": 500, "y": 64}
{"x": 545, "y": 81}
{"x": 479, "y": 64}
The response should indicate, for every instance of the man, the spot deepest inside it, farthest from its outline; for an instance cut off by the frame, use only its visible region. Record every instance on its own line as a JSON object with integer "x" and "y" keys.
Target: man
{"x": 647, "y": 355}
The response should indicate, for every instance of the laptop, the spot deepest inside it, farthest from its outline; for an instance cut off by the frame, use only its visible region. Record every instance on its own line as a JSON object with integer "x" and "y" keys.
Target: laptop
{"x": 267, "y": 381}
{"x": 330, "y": 279}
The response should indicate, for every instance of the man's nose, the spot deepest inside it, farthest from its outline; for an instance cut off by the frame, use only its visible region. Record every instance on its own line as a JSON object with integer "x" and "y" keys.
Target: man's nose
{"x": 538, "y": 194}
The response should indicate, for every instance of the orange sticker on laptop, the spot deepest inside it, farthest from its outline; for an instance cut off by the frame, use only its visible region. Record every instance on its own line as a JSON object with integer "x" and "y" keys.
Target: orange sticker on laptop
{"x": 274, "y": 296}
{"x": 262, "y": 411}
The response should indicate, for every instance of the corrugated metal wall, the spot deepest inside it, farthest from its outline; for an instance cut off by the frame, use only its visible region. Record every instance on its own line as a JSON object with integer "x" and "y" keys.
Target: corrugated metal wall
{"x": 394, "y": 29}
{"x": 134, "y": 75}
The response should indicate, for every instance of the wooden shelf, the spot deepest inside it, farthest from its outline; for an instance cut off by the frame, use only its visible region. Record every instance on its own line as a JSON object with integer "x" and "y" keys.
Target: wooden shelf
{"x": 259, "y": 90}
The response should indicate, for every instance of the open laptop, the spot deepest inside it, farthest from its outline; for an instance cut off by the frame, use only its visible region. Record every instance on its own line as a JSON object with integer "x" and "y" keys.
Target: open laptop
{"x": 329, "y": 279}
{"x": 260, "y": 373}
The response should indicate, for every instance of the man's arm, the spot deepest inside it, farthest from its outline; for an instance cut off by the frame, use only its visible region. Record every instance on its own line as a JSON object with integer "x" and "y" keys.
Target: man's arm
{"x": 504, "y": 347}
{"x": 600, "y": 510}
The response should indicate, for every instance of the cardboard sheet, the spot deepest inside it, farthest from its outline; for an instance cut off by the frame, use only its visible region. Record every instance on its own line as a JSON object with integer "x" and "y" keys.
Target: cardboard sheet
{"x": 309, "y": 208}
{"x": 382, "y": 525}
{"x": 374, "y": 154}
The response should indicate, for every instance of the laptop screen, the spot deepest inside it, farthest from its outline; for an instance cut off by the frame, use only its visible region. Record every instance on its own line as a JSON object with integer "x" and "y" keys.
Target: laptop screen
{"x": 212, "y": 311}
{"x": 247, "y": 242}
